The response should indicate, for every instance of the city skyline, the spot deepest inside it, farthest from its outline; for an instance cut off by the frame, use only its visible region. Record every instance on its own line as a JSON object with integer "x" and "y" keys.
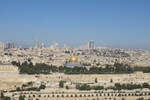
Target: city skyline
{"x": 74, "y": 49}
{"x": 117, "y": 24}
{"x": 60, "y": 45}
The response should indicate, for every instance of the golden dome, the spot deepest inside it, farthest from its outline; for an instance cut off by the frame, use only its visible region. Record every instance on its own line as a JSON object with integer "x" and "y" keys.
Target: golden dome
{"x": 73, "y": 59}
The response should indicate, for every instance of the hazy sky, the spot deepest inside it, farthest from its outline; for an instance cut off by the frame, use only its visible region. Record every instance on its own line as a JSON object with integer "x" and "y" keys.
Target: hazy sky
{"x": 112, "y": 23}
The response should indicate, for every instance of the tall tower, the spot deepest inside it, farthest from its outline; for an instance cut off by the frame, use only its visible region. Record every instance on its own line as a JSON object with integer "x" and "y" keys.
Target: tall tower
{"x": 42, "y": 45}
{"x": 9, "y": 45}
{"x": 1, "y": 46}
{"x": 91, "y": 44}
{"x": 36, "y": 44}
{"x": 56, "y": 45}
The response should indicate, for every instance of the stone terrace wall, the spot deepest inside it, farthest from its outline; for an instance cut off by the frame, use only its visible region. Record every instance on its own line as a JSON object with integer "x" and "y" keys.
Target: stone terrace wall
{"x": 82, "y": 78}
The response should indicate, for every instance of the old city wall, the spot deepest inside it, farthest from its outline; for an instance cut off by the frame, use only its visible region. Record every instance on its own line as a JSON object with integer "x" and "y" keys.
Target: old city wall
{"x": 13, "y": 81}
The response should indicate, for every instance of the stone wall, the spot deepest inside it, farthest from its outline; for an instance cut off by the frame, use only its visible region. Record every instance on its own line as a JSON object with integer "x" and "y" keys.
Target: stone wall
{"x": 9, "y": 80}
{"x": 85, "y": 78}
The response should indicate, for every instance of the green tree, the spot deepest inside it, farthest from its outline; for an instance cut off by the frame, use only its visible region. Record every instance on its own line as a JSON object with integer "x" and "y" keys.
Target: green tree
{"x": 97, "y": 87}
{"x": 2, "y": 94}
{"x": 18, "y": 89}
{"x": 111, "y": 81}
{"x": 95, "y": 80}
{"x": 67, "y": 87}
{"x": 83, "y": 87}
{"x": 61, "y": 84}
{"x": 15, "y": 63}
{"x": 21, "y": 97}
{"x": 145, "y": 85}
{"x": 6, "y": 98}
{"x": 42, "y": 86}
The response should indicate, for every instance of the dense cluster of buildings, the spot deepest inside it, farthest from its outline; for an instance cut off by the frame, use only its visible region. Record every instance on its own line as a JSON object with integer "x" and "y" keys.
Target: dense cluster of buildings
{"x": 88, "y": 55}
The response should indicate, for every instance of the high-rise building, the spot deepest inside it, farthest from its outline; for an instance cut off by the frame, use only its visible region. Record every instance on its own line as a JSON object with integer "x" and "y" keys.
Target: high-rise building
{"x": 9, "y": 45}
{"x": 91, "y": 44}
{"x": 1, "y": 46}
{"x": 36, "y": 44}
{"x": 42, "y": 45}
{"x": 56, "y": 45}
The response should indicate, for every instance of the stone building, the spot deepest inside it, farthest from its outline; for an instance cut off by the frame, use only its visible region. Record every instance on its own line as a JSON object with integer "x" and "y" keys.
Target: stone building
{"x": 8, "y": 69}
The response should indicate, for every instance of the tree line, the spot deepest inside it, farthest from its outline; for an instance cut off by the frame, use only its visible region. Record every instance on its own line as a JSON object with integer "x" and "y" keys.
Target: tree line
{"x": 131, "y": 86}
{"x": 27, "y": 67}
{"x": 117, "y": 86}
{"x": 88, "y": 87}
